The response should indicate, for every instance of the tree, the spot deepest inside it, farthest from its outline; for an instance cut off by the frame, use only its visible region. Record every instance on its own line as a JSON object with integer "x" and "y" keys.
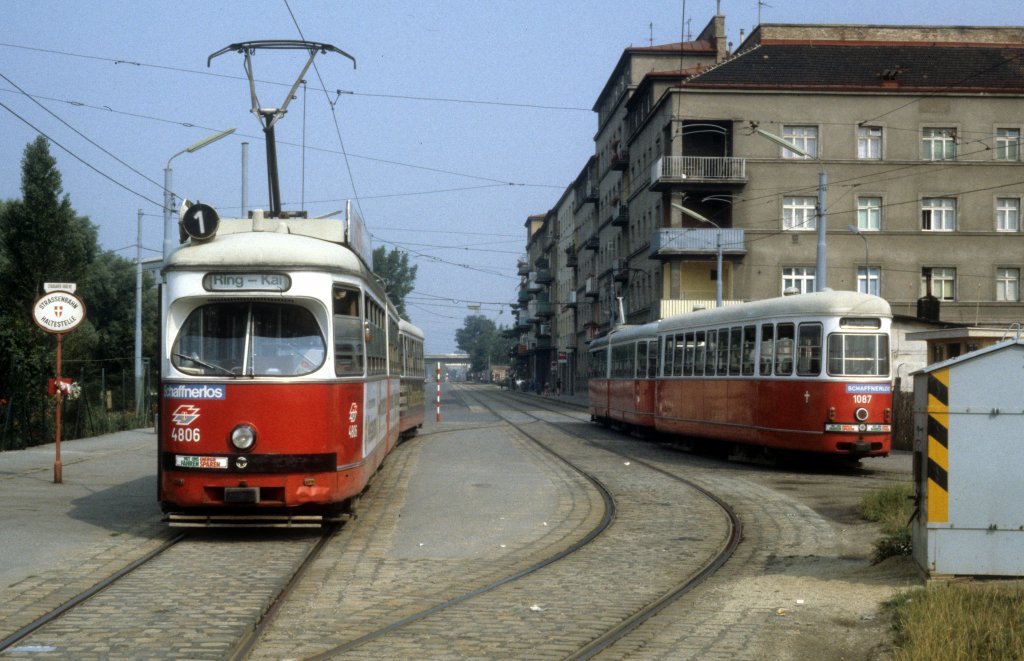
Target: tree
{"x": 398, "y": 277}
{"x": 485, "y": 342}
{"x": 40, "y": 236}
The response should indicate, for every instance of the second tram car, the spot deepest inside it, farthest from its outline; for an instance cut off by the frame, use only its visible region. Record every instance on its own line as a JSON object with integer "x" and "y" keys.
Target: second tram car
{"x": 286, "y": 374}
{"x": 806, "y": 373}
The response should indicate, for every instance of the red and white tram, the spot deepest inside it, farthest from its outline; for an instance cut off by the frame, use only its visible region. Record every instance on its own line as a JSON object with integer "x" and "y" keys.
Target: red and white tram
{"x": 285, "y": 373}
{"x": 807, "y": 373}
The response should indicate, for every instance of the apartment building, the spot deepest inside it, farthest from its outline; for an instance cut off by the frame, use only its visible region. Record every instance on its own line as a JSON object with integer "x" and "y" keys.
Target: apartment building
{"x": 909, "y": 134}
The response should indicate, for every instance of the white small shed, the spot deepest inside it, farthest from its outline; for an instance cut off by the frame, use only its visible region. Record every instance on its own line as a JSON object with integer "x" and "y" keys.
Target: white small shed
{"x": 969, "y": 463}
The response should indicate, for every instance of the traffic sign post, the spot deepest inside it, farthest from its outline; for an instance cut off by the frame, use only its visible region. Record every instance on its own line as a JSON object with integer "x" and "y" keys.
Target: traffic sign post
{"x": 58, "y": 312}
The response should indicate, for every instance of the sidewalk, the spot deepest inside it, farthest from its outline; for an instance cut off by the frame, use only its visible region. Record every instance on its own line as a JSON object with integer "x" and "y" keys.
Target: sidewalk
{"x": 108, "y": 490}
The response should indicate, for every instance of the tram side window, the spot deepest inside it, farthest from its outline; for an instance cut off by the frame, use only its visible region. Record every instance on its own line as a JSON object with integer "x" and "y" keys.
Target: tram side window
{"x": 767, "y": 348}
{"x": 394, "y": 348}
{"x": 640, "y": 363}
{"x": 809, "y": 363}
{"x": 688, "y": 358}
{"x": 698, "y": 354}
{"x": 348, "y": 332}
{"x": 784, "y": 350}
{"x": 669, "y": 348}
{"x": 735, "y": 342}
{"x": 858, "y": 355}
{"x": 652, "y": 359}
{"x": 598, "y": 361}
{"x": 722, "y": 365}
{"x": 712, "y": 353}
{"x": 749, "y": 345}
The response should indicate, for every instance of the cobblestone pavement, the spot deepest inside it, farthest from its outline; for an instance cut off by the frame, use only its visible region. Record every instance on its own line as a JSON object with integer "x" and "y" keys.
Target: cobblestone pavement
{"x": 800, "y": 585}
{"x": 664, "y": 531}
{"x": 194, "y": 601}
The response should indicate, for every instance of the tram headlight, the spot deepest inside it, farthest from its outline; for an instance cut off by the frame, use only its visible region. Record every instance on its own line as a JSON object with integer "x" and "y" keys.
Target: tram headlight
{"x": 861, "y": 414}
{"x": 243, "y": 437}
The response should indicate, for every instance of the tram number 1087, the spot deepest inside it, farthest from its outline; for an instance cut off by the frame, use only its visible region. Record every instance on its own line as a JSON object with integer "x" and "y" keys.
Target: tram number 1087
{"x": 185, "y": 435}
{"x": 857, "y": 399}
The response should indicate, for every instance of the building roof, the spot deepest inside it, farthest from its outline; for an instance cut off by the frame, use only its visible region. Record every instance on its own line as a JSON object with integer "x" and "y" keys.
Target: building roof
{"x": 921, "y": 67}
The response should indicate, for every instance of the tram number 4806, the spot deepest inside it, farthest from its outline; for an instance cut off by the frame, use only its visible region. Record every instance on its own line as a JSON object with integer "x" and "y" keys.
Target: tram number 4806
{"x": 857, "y": 399}
{"x": 185, "y": 435}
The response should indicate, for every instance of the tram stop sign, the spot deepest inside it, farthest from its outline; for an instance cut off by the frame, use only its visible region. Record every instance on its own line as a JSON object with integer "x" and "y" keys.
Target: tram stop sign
{"x": 58, "y": 312}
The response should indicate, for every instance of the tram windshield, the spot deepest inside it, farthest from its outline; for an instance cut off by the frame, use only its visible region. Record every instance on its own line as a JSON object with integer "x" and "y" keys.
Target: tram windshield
{"x": 245, "y": 338}
{"x": 858, "y": 354}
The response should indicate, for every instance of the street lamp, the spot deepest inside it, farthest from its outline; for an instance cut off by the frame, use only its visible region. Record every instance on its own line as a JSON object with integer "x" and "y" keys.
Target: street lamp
{"x": 169, "y": 196}
{"x": 867, "y": 273}
{"x": 718, "y": 281}
{"x": 820, "y": 265}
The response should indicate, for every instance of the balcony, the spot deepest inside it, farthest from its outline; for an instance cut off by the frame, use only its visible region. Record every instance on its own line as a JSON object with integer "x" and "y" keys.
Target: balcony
{"x": 620, "y": 214}
{"x": 532, "y": 285}
{"x": 571, "y": 259}
{"x": 669, "y": 171}
{"x": 593, "y": 288}
{"x": 593, "y": 243}
{"x": 619, "y": 156}
{"x": 620, "y": 270}
{"x": 523, "y": 267}
{"x": 670, "y": 307}
{"x": 542, "y": 308}
{"x": 670, "y": 242}
{"x": 571, "y": 302}
{"x": 545, "y": 276}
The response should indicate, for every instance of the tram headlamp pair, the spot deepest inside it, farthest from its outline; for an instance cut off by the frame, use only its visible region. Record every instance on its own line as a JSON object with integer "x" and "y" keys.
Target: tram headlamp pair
{"x": 243, "y": 437}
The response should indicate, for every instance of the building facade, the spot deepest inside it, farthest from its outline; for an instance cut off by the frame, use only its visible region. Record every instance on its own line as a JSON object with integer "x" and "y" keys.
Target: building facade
{"x": 909, "y": 135}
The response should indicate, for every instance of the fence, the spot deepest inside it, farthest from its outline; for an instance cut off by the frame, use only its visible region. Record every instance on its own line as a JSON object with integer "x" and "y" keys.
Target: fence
{"x": 105, "y": 403}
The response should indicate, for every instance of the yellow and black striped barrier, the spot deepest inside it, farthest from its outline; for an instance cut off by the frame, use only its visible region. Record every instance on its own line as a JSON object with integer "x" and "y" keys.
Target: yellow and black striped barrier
{"x": 938, "y": 446}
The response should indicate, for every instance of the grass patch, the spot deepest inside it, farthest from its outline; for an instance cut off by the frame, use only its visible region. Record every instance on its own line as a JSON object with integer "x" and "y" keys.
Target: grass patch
{"x": 891, "y": 507}
{"x": 976, "y": 622}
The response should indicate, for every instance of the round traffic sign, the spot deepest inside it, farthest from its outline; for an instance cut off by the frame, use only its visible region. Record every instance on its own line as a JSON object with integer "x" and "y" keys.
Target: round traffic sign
{"x": 58, "y": 312}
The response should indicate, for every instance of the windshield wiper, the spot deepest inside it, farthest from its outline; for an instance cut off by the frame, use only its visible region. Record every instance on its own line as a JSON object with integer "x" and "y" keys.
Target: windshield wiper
{"x": 195, "y": 359}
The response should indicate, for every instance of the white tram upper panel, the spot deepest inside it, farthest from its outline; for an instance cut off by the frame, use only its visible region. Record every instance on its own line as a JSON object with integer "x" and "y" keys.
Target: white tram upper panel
{"x": 316, "y": 244}
{"x": 814, "y": 304}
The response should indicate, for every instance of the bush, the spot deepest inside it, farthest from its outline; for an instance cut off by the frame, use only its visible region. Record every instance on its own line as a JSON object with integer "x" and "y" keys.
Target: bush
{"x": 892, "y": 508}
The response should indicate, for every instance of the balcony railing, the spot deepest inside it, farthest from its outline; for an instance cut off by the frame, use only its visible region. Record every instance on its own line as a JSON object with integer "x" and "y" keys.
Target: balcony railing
{"x": 678, "y": 241}
{"x": 671, "y": 307}
{"x": 673, "y": 170}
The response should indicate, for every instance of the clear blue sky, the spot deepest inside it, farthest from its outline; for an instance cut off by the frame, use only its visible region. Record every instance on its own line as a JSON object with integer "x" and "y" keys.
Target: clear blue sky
{"x": 467, "y": 116}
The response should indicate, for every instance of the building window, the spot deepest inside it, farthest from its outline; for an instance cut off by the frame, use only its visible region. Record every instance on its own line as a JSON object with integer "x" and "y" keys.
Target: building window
{"x": 869, "y": 281}
{"x": 802, "y": 137}
{"x": 943, "y": 282}
{"x": 869, "y": 142}
{"x": 1007, "y": 144}
{"x": 798, "y": 213}
{"x": 1007, "y": 284}
{"x": 869, "y": 213}
{"x": 938, "y": 214}
{"x": 938, "y": 144}
{"x": 1008, "y": 214}
{"x": 800, "y": 278}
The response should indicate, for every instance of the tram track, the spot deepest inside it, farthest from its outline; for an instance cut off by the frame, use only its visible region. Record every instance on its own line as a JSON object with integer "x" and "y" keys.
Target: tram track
{"x": 11, "y": 640}
{"x": 651, "y": 609}
{"x": 440, "y": 617}
{"x": 179, "y": 599}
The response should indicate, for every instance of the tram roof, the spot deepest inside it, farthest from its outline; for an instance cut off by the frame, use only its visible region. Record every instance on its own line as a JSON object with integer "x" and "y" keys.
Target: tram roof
{"x": 824, "y": 303}
{"x": 267, "y": 250}
{"x": 410, "y": 328}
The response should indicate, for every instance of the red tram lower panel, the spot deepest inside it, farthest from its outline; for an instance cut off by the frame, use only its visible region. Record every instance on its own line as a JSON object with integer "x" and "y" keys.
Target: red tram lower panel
{"x": 807, "y": 416}
{"x": 316, "y": 444}
{"x": 830, "y": 417}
